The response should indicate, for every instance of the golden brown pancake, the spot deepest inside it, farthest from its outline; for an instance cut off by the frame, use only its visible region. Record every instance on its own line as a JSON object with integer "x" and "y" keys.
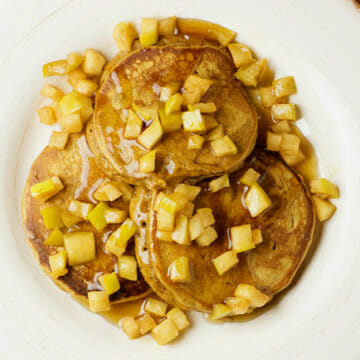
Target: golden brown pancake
{"x": 287, "y": 230}
{"x": 77, "y": 169}
{"x": 139, "y": 75}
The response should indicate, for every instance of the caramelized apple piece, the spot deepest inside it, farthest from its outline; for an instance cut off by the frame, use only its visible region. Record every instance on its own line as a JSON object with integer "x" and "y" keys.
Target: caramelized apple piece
{"x": 179, "y": 270}
{"x": 54, "y": 68}
{"x": 207, "y": 217}
{"x": 165, "y": 220}
{"x": 75, "y": 76}
{"x": 68, "y": 218}
{"x": 241, "y": 54}
{"x": 73, "y": 61}
{"x": 219, "y": 183}
{"x": 284, "y": 87}
{"x": 76, "y": 103}
{"x": 292, "y": 158}
{"x": 250, "y": 75}
{"x": 181, "y": 231}
{"x": 56, "y": 238}
{"x": 290, "y": 143}
{"x": 46, "y": 115}
{"x": 86, "y": 87}
{"x": 124, "y": 34}
{"x": 171, "y": 122}
{"x": 107, "y": 191}
{"x": 324, "y": 188}
{"x": 146, "y": 323}
{"x": 203, "y": 107}
{"x": 324, "y": 208}
{"x": 241, "y": 238}
{"x": 179, "y": 318}
{"x": 99, "y": 301}
{"x": 225, "y": 262}
{"x": 46, "y": 189}
{"x": 273, "y": 141}
{"x": 127, "y": 266}
{"x": 173, "y": 104}
{"x": 96, "y": 216}
{"x": 110, "y": 283}
{"x": 266, "y": 95}
{"x": 208, "y": 236}
{"x": 155, "y": 307}
{"x": 256, "y": 200}
{"x": 51, "y": 92}
{"x": 193, "y": 121}
{"x": 195, "y": 142}
{"x": 133, "y": 125}
{"x": 51, "y": 217}
{"x": 151, "y": 135}
{"x": 164, "y": 332}
{"x": 250, "y": 177}
{"x": 284, "y": 112}
{"x": 168, "y": 90}
{"x": 256, "y": 236}
{"x": 149, "y": 32}
{"x": 81, "y": 209}
{"x": 57, "y": 264}
{"x": 216, "y": 133}
{"x": 195, "y": 87}
{"x": 238, "y": 306}
{"x": 196, "y": 226}
{"x": 223, "y": 146}
{"x": 130, "y": 327}
{"x": 147, "y": 112}
{"x": 58, "y": 140}
{"x": 79, "y": 247}
{"x": 164, "y": 236}
{"x": 281, "y": 127}
{"x": 115, "y": 216}
{"x": 190, "y": 191}
{"x": 220, "y": 311}
{"x": 251, "y": 293}
{"x": 71, "y": 123}
{"x": 210, "y": 122}
{"x": 167, "y": 26}
{"x": 93, "y": 63}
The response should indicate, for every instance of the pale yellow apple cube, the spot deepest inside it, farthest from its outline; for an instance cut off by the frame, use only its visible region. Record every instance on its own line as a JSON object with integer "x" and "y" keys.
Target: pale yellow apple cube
{"x": 273, "y": 141}
{"x": 193, "y": 121}
{"x": 181, "y": 231}
{"x": 250, "y": 177}
{"x": 281, "y": 127}
{"x": 47, "y": 115}
{"x": 133, "y": 125}
{"x": 99, "y": 301}
{"x": 75, "y": 76}
{"x": 284, "y": 112}
{"x": 284, "y": 87}
{"x": 151, "y": 135}
{"x": 54, "y": 68}
{"x": 290, "y": 143}
{"x": 241, "y": 54}
{"x": 195, "y": 142}
{"x": 179, "y": 318}
{"x": 207, "y": 217}
{"x": 209, "y": 107}
{"x": 216, "y": 133}
{"x": 168, "y": 90}
{"x": 219, "y": 183}
{"x": 58, "y": 140}
{"x": 292, "y": 158}
{"x": 250, "y": 75}
{"x": 257, "y": 236}
{"x": 46, "y": 189}
{"x": 79, "y": 247}
{"x": 86, "y": 87}
{"x": 155, "y": 307}
{"x": 81, "y": 209}
{"x": 324, "y": 208}
{"x": 58, "y": 264}
{"x": 107, "y": 191}
{"x": 94, "y": 62}
{"x": 167, "y": 26}
{"x": 115, "y": 216}
{"x": 324, "y": 188}
{"x": 196, "y": 226}
{"x": 256, "y": 200}
{"x": 225, "y": 262}
{"x": 146, "y": 323}
{"x": 130, "y": 327}
{"x": 51, "y": 92}
{"x": 210, "y": 122}
{"x": 147, "y": 162}
{"x": 179, "y": 270}
{"x": 241, "y": 238}
{"x": 124, "y": 34}
{"x": 220, "y": 311}
{"x": 110, "y": 283}
{"x": 74, "y": 102}
{"x": 251, "y": 293}
{"x": 71, "y": 123}
{"x": 266, "y": 95}
{"x": 171, "y": 122}
{"x": 223, "y": 146}
{"x": 238, "y": 305}
{"x": 190, "y": 191}
{"x": 188, "y": 210}
{"x": 208, "y": 236}
{"x": 164, "y": 332}
{"x": 149, "y": 32}
{"x": 165, "y": 220}
{"x": 127, "y": 266}
{"x": 173, "y": 104}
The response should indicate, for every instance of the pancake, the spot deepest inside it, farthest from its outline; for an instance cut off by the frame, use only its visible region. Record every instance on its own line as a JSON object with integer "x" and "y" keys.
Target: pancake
{"x": 287, "y": 229}
{"x": 77, "y": 169}
{"x": 142, "y": 71}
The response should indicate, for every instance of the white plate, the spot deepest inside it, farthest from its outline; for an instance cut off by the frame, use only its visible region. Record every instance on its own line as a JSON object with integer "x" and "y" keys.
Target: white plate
{"x": 318, "y": 43}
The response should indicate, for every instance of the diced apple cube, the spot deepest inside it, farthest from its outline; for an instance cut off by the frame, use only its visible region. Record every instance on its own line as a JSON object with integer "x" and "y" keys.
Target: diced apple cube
{"x": 107, "y": 191}
{"x": 93, "y": 63}
{"x": 181, "y": 231}
{"x": 324, "y": 208}
{"x": 257, "y": 236}
{"x": 81, "y": 209}
{"x": 147, "y": 112}
{"x": 46, "y": 115}
{"x": 56, "y": 238}
{"x": 168, "y": 90}
{"x": 58, "y": 140}
{"x": 46, "y": 189}
{"x": 96, "y": 216}
{"x": 80, "y": 247}
{"x": 203, "y": 107}
{"x": 165, "y": 220}
{"x": 110, "y": 283}
{"x": 179, "y": 318}
{"x": 195, "y": 142}
{"x": 99, "y": 301}
{"x": 171, "y": 122}
{"x": 188, "y": 210}
{"x": 238, "y": 305}
{"x": 124, "y": 34}
{"x": 325, "y": 188}
{"x": 284, "y": 87}
{"x": 52, "y": 218}
{"x": 74, "y": 102}
{"x": 165, "y": 202}
{"x": 179, "y": 270}
{"x": 250, "y": 75}
{"x": 284, "y": 112}
{"x": 241, "y": 54}
{"x": 241, "y": 238}
{"x": 195, "y": 87}
{"x": 193, "y": 121}
{"x": 71, "y": 123}
{"x": 281, "y": 127}
{"x": 57, "y": 264}
{"x": 86, "y": 87}
{"x": 208, "y": 236}
{"x": 266, "y": 95}
{"x": 115, "y": 216}
{"x": 273, "y": 141}
{"x": 164, "y": 332}
{"x": 68, "y": 218}
{"x": 219, "y": 183}
{"x": 51, "y": 92}
{"x": 173, "y": 104}
{"x": 225, "y": 262}
{"x": 146, "y": 323}
{"x": 149, "y": 32}
{"x": 73, "y": 61}
{"x": 290, "y": 143}
{"x": 164, "y": 236}
{"x": 190, "y": 191}
{"x": 155, "y": 307}
{"x": 75, "y": 76}
{"x": 126, "y": 190}
{"x": 223, "y": 146}
{"x": 216, "y": 133}
{"x": 127, "y": 266}
{"x": 256, "y": 200}
{"x": 167, "y": 26}
{"x": 133, "y": 125}
{"x": 210, "y": 122}
{"x": 292, "y": 158}
{"x": 54, "y": 68}
{"x": 196, "y": 226}
{"x": 220, "y": 311}
{"x": 130, "y": 327}
{"x": 250, "y": 177}
{"x": 207, "y": 217}
{"x": 147, "y": 162}
{"x": 251, "y": 293}
{"x": 151, "y": 135}
{"x": 179, "y": 199}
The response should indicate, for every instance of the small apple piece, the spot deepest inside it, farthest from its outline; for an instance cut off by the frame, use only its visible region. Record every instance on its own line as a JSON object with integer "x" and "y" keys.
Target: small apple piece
{"x": 266, "y": 95}
{"x": 208, "y": 236}
{"x": 210, "y": 122}
{"x": 71, "y": 123}
{"x": 241, "y": 238}
{"x": 52, "y": 218}
{"x": 124, "y": 34}
{"x": 126, "y": 190}
{"x": 181, "y": 231}
{"x": 46, "y": 189}
{"x": 251, "y": 293}
{"x": 223, "y": 146}
{"x": 147, "y": 112}
{"x": 203, "y": 107}
{"x": 290, "y": 143}
{"x": 165, "y": 220}
{"x": 86, "y": 87}
{"x": 133, "y": 125}
{"x": 155, "y": 307}
{"x": 179, "y": 318}
{"x": 179, "y": 199}
{"x": 281, "y": 127}
{"x": 168, "y": 90}
{"x": 73, "y": 61}
{"x": 257, "y": 236}
{"x": 80, "y": 247}
{"x": 220, "y": 311}
{"x": 171, "y": 122}
{"x": 164, "y": 332}
{"x": 166, "y": 203}
{"x": 54, "y": 68}
{"x": 115, "y": 216}
{"x": 57, "y": 264}
{"x": 149, "y": 32}
{"x": 167, "y": 26}
{"x": 75, "y": 76}
{"x": 196, "y": 226}
{"x": 250, "y": 177}
{"x": 193, "y": 121}
{"x": 195, "y": 142}
{"x": 110, "y": 283}
{"x": 127, "y": 266}
{"x": 146, "y": 323}
{"x": 256, "y": 200}
{"x": 219, "y": 183}
{"x": 188, "y": 210}
{"x": 216, "y": 133}
{"x": 130, "y": 327}
{"x": 324, "y": 208}
{"x": 46, "y": 115}
{"x": 99, "y": 301}
{"x": 51, "y": 92}
{"x": 74, "y": 102}
{"x": 56, "y": 238}
{"x": 190, "y": 191}
{"x": 68, "y": 218}
{"x": 96, "y": 216}
{"x": 241, "y": 54}
{"x": 147, "y": 162}
{"x": 291, "y": 158}
{"x": 238, "y": 305}
{"x": 173, "y": 104}
{"x": 93, "y": 63}
{"x": 195, "y": 87}
{"x": 284, "y": 112}
{"x": 324, "y": 188}
{"x": 81, "y": 209}
{"x": 225, "y": 262}
{"x": 284, "y": 87}
{"x": 151, "y": 135}
{"x": 207, "y": 217}
{"x": 107, "y": 191}
{"x": 273, "y": 141}
{"x": 58, "y": 140}
{"x": 179, "y": 270}
{"x": 250, "y": 75}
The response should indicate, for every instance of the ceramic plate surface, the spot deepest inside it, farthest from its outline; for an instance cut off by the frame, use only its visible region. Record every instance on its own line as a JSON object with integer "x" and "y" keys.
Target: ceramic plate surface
{"x": 318, "y": 43}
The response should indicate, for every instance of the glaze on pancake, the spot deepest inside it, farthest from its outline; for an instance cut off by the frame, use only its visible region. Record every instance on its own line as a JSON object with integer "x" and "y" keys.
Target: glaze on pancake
{"x": 77, "y": 169}
{"x": 138, "y": 75}
{"x": 287, "y": 230}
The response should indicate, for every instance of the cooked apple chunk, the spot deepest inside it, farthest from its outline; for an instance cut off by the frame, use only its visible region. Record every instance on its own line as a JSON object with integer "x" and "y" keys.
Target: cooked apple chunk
{"x": 71, "y": 123}
{"x": 73, "y": 61}
{"x": 292, "y": 158}
{"x": 223, "y": 146}
{"x": 324, "y": 188}
{"x": 190, "y": 191}
{"x": 165, "y": 220}
{"x": 209, "y": 107}
{"x": 51, "y": 92}
{"x": 46, "y": 189}
{"x": 147, "y": 112}
{"x": 99, "y": 301}
{"x": 241, "y": 54}
{"x": 196, "y": 226}
{"x": 93, "y": 63}
{"x": 281, "y": 127}
{"x": 250, "y": 75}
{"x": 164, "y": 332}
{"x": 80, "y": 208}
{"x": 250, "y": 177}
{"x": 257, "y": 236}
{"x": 155, "y": 307}
{"x": 149, "y": 32}
{"x": 195, "y": 142}
{"x": 181, "y": 231}
{"x": 273, "y": 141}
{"x": 97, "y": 216}
{"x": 126, "y": 190}
{"x": 115, "y": 216}
{"x": 208, "y": 236}
{"x": 266, "y": 95}
{"x": 219, "y": 183}
{"x": 179, "y": 270}
{"x": 210, "y": 122}
{"x": 124, "y": 34}
{"x": 56, "y": 238}
{"x": 151, "y": 135}
{"x": 146, "y": 323}
{"x": 290, "y": 143}
{"x": 193, "y": 121}
{"x": 251, "y": 293}
{"x": 220, "y": 311}
{"x": 179, "y": 318}
{"x": 324, "y": 208}
{"x": 110, "y": 283}
{"x": 52, "y": 218}
{"x": 74, "y": 102}
{"x": 107, "y": 191}
{"x": 133, "y": 125}
{"x": 207, "y": 217}
{"x": 75, "y": 76}
{"x": 147, "y": 162}
{"x": 256, "y": 200}
{"x": 57, "y": 264}
{"x": 238, "y": 305}
{"x": 225, "y": 262}
{"x": 46, "y": 115}
{"x": 54, "y": 68}
{"x": 86, "y": 87}
{"x": 130, "y": 327}
{"x": 127, "y": 266}
{"x": 216, "y": 133}
{"x": 241, "y": 238}
{"x": 284, "y": 87}
{"x": 58, "y": 140}
{"x": 165, "y": 202}
{"x": 171, "y": 122}
{"x": 284, "y": 112}
{"x": 195, "y": 87}
{"x": 79, "y": 247}
{"x": 68, "y": 218}
{"x": 173, "y": 104}
{"x": 167, "y": 26}
{"x": 168, "y": 90}
{"x": 188, "y": 210}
